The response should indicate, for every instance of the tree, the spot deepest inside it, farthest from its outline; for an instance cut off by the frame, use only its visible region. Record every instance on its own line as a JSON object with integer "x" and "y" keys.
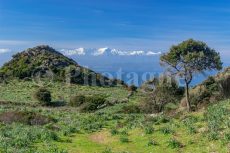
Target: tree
{"x": 188, "y": 58}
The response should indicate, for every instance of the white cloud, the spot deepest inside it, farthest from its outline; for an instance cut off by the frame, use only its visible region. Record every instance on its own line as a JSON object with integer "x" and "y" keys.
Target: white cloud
{"x": 4, "y": 50}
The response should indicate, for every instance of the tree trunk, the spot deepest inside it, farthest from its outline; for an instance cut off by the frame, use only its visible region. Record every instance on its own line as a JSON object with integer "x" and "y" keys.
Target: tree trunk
{"x": 187, "y": 97}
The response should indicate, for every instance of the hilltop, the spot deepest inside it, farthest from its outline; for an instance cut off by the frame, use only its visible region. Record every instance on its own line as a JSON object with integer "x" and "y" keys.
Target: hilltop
{"x": 40, "y": 60}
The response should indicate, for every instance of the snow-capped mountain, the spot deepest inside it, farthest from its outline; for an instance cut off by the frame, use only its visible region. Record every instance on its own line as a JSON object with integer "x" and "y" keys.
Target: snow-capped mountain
{"x": 106, "y": 52}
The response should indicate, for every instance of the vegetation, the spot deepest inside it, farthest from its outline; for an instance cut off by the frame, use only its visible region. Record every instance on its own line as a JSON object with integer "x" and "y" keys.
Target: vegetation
{"x": 60, "y": 117}
{"x": 160, "y": 92}
{"x": 45, "y": 63}
{"x": 188, "y": 58}
{"x": 43, "y": 96}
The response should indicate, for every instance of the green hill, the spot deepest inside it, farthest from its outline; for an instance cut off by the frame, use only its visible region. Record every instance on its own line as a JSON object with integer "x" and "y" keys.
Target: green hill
{"x": 44, "y": 61}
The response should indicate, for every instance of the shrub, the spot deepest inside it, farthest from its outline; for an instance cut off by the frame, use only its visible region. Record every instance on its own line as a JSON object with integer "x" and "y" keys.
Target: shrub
{"x": 149, "y": 130}
{"x": 124, "y": 132}
{"x": 173, "y": 143}
{"x": 43, "y": 96}
{"x": 132, "y": 88}
{"x": 189, "y": 122}
{"x": 225, "y": 87}
{"x": 160, "y": 92}
{"x": 94, "y": 103}
{"x": 114, "y": 131}
{"x": 213, "y": 135}
{"x": 29, "y": 118}
{"x": 77, "y": 100}
{"x": 166, "y": 130}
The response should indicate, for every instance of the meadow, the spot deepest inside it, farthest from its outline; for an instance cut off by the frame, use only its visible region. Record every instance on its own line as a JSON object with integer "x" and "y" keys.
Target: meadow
{"x": 29, "y": 127}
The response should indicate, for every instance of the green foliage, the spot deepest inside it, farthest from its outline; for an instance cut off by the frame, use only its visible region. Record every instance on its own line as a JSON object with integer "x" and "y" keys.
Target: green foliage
{"x": 77, "y": 100}
{"x": 160, "y": 92}
{"x": 44, "y": 62}
{"x": 225, "y": 86}
{"x": 94, "y": 103}
{"x": 124, "y": 139}
{"x": 130, "y": 108}
{"x": 189, "y": 122}
{"x": 188, "y": 58}
{"x": 152, "y": 143}
{"x": 149, "y": 129}
{"x": 166, "y": 130}
{"x": 114, "y": 131}
{"x": 173, "y": 143}
{"x": 43, "y": 96}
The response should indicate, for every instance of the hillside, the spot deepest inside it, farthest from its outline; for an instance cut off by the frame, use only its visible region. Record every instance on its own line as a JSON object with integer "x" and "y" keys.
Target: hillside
{"x": 212, "y": 90}
{"x": 45, "y": 62}
{"x": 27, "y": 127}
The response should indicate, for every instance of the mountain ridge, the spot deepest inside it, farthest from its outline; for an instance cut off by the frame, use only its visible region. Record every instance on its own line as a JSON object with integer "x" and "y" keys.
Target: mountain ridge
{"x": 42, "y": 59}
{"x": 105, "y": 51}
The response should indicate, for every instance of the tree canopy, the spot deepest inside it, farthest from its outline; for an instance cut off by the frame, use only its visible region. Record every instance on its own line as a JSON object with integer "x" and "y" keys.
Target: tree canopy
{"x": 188, "y": 58}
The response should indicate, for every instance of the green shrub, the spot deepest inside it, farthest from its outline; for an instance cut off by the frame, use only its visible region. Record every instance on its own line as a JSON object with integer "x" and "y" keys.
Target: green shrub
{"x": 166, "y": 130}
{"x": 94, "y": 103}
{"x": 227, "y": 137}
{"x": 213, "y": 135}
{"x": 114, "y": 131}
{"x": 149, "y": 130}
{"x": 43, "y": 96}
{"x": 77, "y": 100}
{"x": 132, "y": 88}
{"x": 124, "y": 133}
{"x": 173, "y": 143}
{"x": 158, "y": 93}
{"x": 189, "y": 123}
{"x": 225, "y": 87}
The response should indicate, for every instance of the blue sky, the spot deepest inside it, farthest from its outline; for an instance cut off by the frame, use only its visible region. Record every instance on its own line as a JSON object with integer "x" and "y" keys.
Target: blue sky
{"x": 121, "y": 24}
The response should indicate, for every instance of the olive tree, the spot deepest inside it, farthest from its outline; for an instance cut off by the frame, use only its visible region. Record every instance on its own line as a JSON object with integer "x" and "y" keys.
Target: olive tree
{"x": 188, "y": 58}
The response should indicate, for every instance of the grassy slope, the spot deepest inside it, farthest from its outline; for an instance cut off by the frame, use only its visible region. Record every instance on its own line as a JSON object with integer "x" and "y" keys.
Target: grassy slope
{"x": 22, "y": 91}
{"x": 91, "y": 133}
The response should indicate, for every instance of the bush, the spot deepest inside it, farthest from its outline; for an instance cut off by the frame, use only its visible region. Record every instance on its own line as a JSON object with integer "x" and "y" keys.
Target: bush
{"x": 114, "y": 131}
{"x": 225, "y": 87}
{"x": 43, "y": 96}
{"x": 77, "y": 100}
{"x": 149, "y": 130}
{"x": 173, "y": 143}
{"x": 158, "y": 93}
{"x": 132, "y": 88}
{"x": 166, "y": 130}
{"x": 94, "y": 103}
{"x": 29, "y": 118}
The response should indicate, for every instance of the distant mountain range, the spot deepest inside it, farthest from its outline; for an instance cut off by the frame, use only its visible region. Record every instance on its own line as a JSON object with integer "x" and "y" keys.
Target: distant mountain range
{"x": 106, "y": 52}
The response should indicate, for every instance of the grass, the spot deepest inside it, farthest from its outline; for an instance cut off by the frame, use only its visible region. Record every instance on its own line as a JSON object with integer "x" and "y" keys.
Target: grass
{"x": 105, "y": 130}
